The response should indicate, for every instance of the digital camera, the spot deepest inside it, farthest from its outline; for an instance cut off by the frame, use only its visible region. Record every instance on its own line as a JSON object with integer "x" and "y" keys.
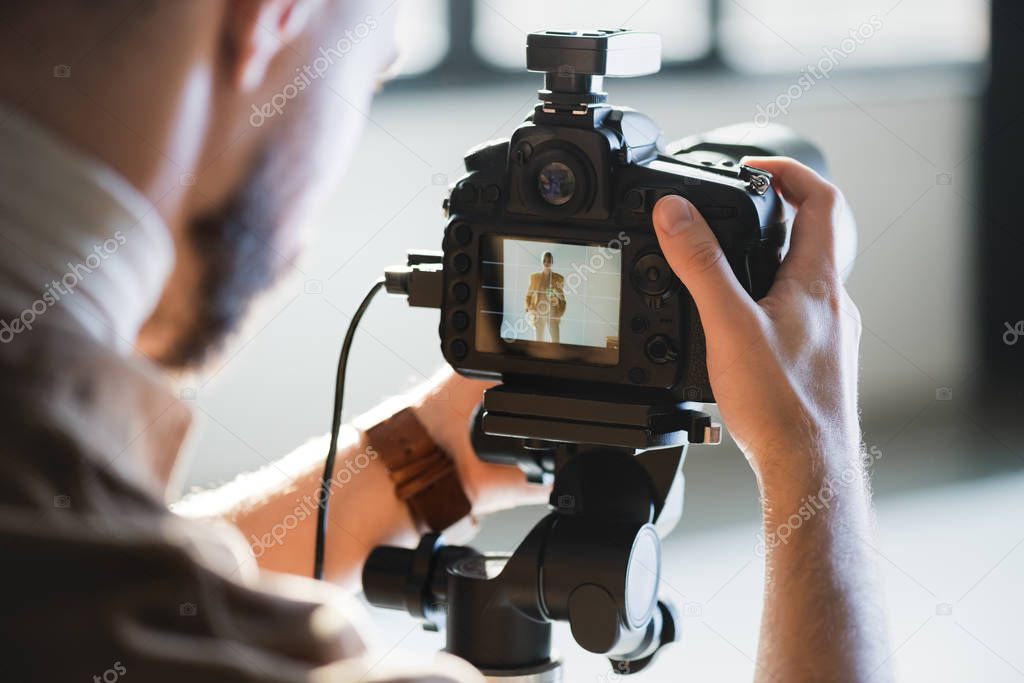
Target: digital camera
{"x": 552, "y": 273}
{"x": 551, "y": 280}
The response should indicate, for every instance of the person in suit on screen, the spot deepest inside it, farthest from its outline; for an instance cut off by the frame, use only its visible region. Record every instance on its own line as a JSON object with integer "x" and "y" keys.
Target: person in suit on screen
{"x": 545, "y": 300}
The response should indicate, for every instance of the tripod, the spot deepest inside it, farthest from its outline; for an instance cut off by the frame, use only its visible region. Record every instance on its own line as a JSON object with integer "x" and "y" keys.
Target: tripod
{"x": 593, "y": 561}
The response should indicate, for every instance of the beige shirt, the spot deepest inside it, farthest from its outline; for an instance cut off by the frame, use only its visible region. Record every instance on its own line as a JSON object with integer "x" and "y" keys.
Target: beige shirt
{"x": 99, "y": 580}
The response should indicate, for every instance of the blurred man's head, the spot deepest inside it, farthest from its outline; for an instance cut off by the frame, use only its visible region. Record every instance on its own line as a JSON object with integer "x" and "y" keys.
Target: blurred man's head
{"x": 547, "y": 260}
{"x": 234, "y": 117}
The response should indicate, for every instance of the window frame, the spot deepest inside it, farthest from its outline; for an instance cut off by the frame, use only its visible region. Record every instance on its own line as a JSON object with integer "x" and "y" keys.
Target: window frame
{"x": 464, "y": 65}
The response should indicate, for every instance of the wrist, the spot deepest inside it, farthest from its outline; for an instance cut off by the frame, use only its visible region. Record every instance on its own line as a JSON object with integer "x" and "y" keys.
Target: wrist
{"x": 825, "y": 492}
{"x": 445, "y": 406}
{"x": 817, "y": 530}
{"x": 424, "y": 475}
{"x": 787, "y": 478}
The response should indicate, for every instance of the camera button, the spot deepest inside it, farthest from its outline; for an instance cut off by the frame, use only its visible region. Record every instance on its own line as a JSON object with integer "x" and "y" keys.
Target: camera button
{"x": 660, "y": 349}
{"x": 634, "y": 200}
{"x": 461, "y": 292}
{"x": 637, "y": 375}
{"x": 638, "y": 324}
{"x": 460, "y": 320}
{"x": 462, "y": 262}
{"x": 459, "y": 349}
{"x": 652, "y": 275}
{"x": 492, "y": 193}
{"x": 462, "y": 233}
{"x": 522, "y": 153}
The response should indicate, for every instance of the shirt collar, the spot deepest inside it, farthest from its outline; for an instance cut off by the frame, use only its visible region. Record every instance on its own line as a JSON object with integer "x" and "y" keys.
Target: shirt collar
{"x": 81, "y": 245}
{"x": 84, "y": 258}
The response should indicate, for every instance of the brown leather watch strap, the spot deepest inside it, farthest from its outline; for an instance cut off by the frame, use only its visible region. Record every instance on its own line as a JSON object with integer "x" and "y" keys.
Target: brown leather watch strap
{"x": 424, "y": 476}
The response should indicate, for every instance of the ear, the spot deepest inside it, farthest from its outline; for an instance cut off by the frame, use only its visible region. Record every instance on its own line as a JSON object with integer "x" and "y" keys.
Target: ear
{"x": 257, "y": 31}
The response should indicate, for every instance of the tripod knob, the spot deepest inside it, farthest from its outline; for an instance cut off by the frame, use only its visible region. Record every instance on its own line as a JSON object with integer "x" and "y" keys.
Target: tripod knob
{"x": 602, "y": 578}
{"x": 662, "y": 631}
{"x": 413, "y": 580}
{"x": 594, "y": 618}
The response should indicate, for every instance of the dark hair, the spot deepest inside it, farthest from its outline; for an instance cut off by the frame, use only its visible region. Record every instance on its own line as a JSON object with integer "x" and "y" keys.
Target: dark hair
{"x": 547, "y": 255}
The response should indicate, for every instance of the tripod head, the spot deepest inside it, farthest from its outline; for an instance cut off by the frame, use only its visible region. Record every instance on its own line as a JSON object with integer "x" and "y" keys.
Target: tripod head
{"x": 594, "y": 561}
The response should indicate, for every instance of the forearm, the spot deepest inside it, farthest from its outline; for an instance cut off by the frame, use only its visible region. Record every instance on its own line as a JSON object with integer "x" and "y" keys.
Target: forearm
{"x": 824, "y": 611}
{"x": 275, "y": 508}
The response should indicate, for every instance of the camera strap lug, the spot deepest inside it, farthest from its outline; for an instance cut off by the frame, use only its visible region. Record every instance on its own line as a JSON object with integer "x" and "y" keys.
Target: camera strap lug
{"x": 756, "y": 180}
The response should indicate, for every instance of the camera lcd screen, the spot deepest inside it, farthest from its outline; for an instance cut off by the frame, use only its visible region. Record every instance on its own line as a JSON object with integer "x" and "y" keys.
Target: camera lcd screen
{"x": 549, "y": 300}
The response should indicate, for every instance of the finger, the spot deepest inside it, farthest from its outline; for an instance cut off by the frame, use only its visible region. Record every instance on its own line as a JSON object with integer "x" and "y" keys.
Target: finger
{"x": 507, "y": 487}
{"x": 798, "y": 183}
{"x": 824, "y": 235}
{"x": 697, "y": 259}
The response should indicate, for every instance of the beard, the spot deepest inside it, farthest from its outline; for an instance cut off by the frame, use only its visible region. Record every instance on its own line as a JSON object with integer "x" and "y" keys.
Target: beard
{"x": 238, "y": 251}
{"x": 230, "y": 255}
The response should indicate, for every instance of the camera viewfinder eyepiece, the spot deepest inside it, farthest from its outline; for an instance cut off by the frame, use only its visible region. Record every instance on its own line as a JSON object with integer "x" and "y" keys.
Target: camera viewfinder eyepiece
{"x": 574, "y": 63}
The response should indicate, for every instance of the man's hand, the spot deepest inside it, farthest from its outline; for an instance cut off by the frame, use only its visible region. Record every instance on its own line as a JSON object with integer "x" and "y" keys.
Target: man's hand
{"x": 445, "y": 410}
{"x": 784, "y": 374}
{"x": 783, "y": 369}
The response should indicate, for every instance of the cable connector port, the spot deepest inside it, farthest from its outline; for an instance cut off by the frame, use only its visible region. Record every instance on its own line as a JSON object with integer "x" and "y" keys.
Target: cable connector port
{"x": 423, "y": 286}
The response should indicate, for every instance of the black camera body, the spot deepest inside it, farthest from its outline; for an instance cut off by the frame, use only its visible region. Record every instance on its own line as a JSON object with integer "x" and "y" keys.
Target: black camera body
{"x": 576, "y": 184}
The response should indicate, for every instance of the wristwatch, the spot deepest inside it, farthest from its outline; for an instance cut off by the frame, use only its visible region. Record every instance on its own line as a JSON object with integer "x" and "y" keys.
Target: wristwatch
{"x": 424, "y": 475}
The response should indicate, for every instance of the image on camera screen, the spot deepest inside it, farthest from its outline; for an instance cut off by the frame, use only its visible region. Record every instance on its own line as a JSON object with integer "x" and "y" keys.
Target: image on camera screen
{"x": 551, "y": 300}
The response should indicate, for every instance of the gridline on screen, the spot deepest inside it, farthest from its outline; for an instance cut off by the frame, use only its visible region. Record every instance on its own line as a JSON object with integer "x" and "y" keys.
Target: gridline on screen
{"x": 561, "y": 293}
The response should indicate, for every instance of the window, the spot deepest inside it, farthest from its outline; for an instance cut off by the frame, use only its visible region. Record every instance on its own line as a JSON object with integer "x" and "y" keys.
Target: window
{"x": 499, "y": 31}
{"x": 745, "y": 36}
{"x": 422, "y": 33}
{"x": 760, "y": 36}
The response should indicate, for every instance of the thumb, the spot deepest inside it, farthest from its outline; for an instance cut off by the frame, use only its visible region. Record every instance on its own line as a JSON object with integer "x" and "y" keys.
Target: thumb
{"x": 696, "y": 257}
